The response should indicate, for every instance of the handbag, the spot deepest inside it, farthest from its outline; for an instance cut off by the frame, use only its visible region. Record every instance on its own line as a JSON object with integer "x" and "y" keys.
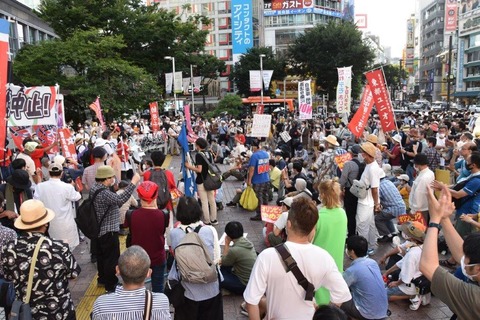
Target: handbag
{"x": 249, "y": 200}
{"x": 214, "y": 179}
{"x": 21, "y": 309}
{"x": 359, "y": 189}
{"x": 147, "y": 312}
{"x": 175, "y": 292}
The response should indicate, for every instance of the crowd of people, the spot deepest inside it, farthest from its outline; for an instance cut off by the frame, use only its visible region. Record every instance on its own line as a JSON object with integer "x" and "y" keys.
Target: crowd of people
{"x": 341, "y": 196}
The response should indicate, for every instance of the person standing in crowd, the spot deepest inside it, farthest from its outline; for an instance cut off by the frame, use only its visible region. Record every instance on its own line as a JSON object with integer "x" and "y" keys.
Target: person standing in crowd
{"x": 258, "y": 177}
{"x": 202, "y": 300}
{"x": 352, "y": 170}
{"x": 418, "y": 194}
{"x": 128, "y": 301}
{"x": 50, "y": 296}
{"x": 17, "y": 189}
{"x": 88, "y": 178}
{"x": 61, "y": 198}
{"x": 147, "y": 227}
{"x": 207, "y": 197}
{"x": 325, "y": 163}
{"x": 462, "y": 297}
{"x": 107, "y": 206}
{"x": 273, "y": 290}
{"x": 394, "y": 155}
{"x": 363, "y": 277}
{"x": 331, "y": 229}
{"x": 432, "y": 154}
{"x": 410, "y": 150}
{"x": 371, "y": 203}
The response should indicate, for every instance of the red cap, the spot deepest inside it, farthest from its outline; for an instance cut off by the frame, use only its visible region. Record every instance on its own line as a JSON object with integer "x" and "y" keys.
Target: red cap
{"x": 147, "y": 191}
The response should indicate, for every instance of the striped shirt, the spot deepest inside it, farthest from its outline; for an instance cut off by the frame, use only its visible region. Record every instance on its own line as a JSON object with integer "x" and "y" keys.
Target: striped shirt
{"x": 129, "y": 305}
{"x": 390, "y": 198}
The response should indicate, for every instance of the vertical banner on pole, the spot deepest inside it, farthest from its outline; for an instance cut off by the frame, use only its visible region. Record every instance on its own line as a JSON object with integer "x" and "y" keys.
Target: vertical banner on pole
{"x": 381, "y": 98}
{"x": 4, "y": 50}
{"x": 305, "y": 110}
{"x": 255, "y": 80}
{"x": 360, "y": 119}
{"x": 154, "y": 116}
{"x": 344, "y": 89}
{"x": 168, "y": 82}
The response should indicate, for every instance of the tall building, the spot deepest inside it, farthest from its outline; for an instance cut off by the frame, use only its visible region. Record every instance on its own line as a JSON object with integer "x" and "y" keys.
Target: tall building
{"x": 269, "y": 23}
{"x": 468, "y": 53}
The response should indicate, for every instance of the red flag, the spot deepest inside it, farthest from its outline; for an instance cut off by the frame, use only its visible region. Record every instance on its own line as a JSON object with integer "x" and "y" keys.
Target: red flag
{"x": 95, "y": 106}
{"x": 359, "y": 120}
{"x": 376, "y": 79}
{"x": 154, "y": 116}
{"x": 188, "y": 119}
{"x": 4, "y": 51}
{"x": 68, "y": 147}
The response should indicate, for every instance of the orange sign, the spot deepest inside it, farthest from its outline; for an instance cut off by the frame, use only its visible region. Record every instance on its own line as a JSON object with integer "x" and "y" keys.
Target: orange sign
{"x": 270, "y": 213}
{"x": 408, "y": 217}
{"x": 341, "y": 159}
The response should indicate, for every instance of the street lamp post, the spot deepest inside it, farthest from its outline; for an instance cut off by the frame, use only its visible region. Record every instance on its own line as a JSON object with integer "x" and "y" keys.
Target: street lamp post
{"x": 173, "y": 78}
{"x": 191, "y": 85}
{"x": 261, "y": 76}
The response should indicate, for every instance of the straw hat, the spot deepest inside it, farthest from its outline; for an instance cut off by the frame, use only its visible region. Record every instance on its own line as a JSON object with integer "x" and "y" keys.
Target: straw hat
{"x": 372, "y": 138}
{"x": 414, "y": 229}
{"x": 104, "y": 172}
{"x": 369, "y": 149}
{"x": 33, "y": 214}
{"x": 332, "y": 140}
{"x": 397, "y": 138}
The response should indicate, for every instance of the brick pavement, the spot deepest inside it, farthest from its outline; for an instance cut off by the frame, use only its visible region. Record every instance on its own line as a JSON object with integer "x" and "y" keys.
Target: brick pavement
{"x": 82, "y": 287}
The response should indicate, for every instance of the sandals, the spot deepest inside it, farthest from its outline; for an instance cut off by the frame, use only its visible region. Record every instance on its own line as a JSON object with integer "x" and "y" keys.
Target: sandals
{"x": 448, "y": 264}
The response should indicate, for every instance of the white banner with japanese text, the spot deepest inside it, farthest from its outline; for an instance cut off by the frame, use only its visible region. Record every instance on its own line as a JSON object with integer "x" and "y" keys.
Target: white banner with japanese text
{"x": 305, "y": 109}
{"x": 261, "y": 125}
{"x": 31, "y": 106}
{"x": 255, "y": 80}
{"x": 344, "y": 89}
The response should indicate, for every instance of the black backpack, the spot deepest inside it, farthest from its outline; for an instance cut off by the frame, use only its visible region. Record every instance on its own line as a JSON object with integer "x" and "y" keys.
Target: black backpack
{"x": 361, "y": 168}
{"x": 160, "y": 178}
{"x": 459, "y": 186}
{"x": 87, "y": 217}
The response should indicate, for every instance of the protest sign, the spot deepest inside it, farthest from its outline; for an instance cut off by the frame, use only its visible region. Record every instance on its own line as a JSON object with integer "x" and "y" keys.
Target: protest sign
{"x": 270, "y": 213}
{"x": 261, "y": 125}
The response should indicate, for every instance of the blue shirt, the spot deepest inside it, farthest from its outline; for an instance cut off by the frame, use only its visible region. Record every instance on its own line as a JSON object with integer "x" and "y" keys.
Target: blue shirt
{"x": 463, "y": 171}
{"x": 391, "y": 199}
{"x": 259, "y": 161}
{"x": 364, "y": 279}
{"x": 471, "y": 203}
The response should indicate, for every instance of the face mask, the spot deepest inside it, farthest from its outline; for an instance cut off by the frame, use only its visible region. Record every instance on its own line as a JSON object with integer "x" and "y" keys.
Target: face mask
{"x": 441, "y": 136}
{"x": 346, "y": 252}
{"x": 463, "y": 265}
{"x": 416, "y": 169}
{"x": 318, "y": 129}
{"x": 360, "y": 158}
{"x": 404, "y": 236}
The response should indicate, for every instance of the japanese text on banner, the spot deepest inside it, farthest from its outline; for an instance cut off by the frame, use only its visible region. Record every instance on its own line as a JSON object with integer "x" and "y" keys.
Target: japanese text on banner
{"x": 31, "y": 106}
{"x": 68, "y": 147}
{"x": 359, "y": 120}
{"x": 376, "y": 80}
{"x": 344, "y": 89}
{"x": 305, "y": 108}
{"x": 270, "y": 213}
{"x": 242, "y": 26}
{"x": 154, "y": 116}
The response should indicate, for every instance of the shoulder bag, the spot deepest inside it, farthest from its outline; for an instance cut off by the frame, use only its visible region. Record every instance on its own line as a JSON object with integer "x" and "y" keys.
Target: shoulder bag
{"x": 213, "y": 181}
{"x": 21, "y": 309}
{"x": 147, "y": 313}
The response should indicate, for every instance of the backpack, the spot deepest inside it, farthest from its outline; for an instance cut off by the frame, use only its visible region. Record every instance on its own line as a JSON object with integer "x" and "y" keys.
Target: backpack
{"x": 160, "y": 178}
{"x": 87, "y": 217}
{"x": 361, "y": 168}
{"x": 193, "y": 260}
{"x": 459, "y": 186}
{"x": 214, "y": 178}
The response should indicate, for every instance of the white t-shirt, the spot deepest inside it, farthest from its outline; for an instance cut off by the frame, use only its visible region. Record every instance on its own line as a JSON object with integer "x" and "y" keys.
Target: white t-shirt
{"x": 285, "y": 297}
{"x": 281, "y": 222}
{"x": 410, "y": 269}
{"x": 418, "y": 198}
{"x": 371, "y": 177}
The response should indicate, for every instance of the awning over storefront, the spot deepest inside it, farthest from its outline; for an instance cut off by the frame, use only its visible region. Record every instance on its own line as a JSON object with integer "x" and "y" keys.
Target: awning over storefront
{"x": 466, "y": 94}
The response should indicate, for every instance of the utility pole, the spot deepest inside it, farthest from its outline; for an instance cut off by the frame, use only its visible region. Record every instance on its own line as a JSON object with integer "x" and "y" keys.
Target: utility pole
{"x": 449, "y": 74}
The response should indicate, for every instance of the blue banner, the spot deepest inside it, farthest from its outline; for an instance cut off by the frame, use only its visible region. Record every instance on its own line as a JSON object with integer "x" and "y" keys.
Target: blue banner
{"x": 188, "y": 175}
{"x": 242, "y": 26}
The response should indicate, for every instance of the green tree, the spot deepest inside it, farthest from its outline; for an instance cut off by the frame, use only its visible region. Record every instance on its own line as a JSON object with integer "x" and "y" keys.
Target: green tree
{"x": 209, "y": 68}
{"x": 321, "y": 50}
{"x": 251, "y": 61}
{"x": 87, "y": 65}
{"x": 232, "y": 104}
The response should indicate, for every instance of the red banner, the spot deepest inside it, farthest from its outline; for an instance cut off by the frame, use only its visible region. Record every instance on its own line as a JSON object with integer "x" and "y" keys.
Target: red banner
{"x": 4, "y": 51}
{"x": 46, "y": 134}
{"x": 359, "y": 120}
{"x": 68, "y": 147}
{"x": 95, "y": 106}
{"x": 451, "y": 8}
{"x": 376, "y": 79}
{"x": 155, "y": 120}
{"x": 188, "y": 119}
{"x": 260, "y": 108}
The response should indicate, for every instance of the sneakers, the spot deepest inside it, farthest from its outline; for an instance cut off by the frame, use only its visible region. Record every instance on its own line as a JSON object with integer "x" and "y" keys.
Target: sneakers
{"x": 243, "y": 309}
{"x": 385, "y": 238}
{"x": 416, "y": 302}
{"x": 256, "y": 218}
{"x": 396, "y": 241}
{"x": 231, "y": 204}
{"x": 426, "y": 298}
{"x": 219, "y": 206}
{"x": 371, "y": 252}
{"x": 214, "y": 222}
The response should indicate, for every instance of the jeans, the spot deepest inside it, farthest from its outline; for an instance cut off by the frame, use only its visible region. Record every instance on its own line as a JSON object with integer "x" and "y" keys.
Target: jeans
{"x": 158, "y": 275}
{"x": 231, "y": 282}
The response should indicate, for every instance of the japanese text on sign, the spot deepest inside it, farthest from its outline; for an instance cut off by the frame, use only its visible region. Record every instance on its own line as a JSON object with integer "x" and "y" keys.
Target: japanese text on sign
{"x": 376, "y": 79}
{"x": 30, "y": 106}
{"x": 270, "y": 213}
{"x": 242, "y": 27}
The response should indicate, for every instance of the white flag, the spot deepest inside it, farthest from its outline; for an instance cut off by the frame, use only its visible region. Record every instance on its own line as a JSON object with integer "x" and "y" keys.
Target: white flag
{"x": 267, "y": 77}
{"x": 168, "y": 82}
{"x": 177, "y": 86}
{"x": 255, "y": 80}
{"x": 344, "y": 89}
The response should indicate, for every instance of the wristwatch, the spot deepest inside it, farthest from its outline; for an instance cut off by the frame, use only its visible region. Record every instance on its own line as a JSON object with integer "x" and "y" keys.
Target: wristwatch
{"x": 435, "y": 225}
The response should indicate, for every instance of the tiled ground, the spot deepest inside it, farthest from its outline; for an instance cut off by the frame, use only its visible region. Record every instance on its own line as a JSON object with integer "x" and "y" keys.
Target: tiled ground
{"x": 84, "y": 290}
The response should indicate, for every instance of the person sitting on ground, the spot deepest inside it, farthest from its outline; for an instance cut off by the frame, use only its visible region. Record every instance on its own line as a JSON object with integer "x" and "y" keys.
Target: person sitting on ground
{"x": 369, "y": 299}
{"x": 237, "y": 260}
{"x": 330, "y": 312}
{"x": 409, "y": 267}
{"x": 460, "y": 296}
{"x": 277, "y": 233}
{"x": 128, "y": 300}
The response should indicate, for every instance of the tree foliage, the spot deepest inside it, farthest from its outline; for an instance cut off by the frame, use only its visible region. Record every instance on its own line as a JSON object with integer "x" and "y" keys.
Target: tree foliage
{"x": 321, "y": 50}
{"x": 85, "y": 71}
{"x": 251, "y": 61}
{"x": 231, "y": 104}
